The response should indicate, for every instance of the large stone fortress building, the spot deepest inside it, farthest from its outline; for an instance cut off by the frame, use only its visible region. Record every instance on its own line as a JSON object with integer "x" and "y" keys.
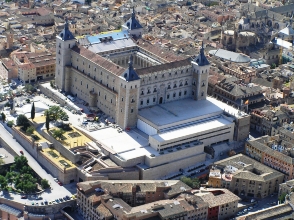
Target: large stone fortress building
{"x": 161, "y": 94}
{"x": 120, "y": 75}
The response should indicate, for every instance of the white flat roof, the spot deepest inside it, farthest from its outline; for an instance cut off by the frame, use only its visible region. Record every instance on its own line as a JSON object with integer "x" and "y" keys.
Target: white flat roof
{"x": 112, "y": 45}
{"x": 193, "y": 129}
{"x": 181, "y": 110}
{"x": 230, "y": 109}
{"x": 119, "y": 142}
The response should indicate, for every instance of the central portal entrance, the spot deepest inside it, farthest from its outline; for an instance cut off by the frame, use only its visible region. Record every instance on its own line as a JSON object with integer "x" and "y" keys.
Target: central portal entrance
{"x": 160, "y": 100}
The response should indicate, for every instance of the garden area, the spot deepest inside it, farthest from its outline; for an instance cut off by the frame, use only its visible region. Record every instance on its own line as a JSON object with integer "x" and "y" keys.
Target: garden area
{"x": 21, "y": 178}
{"x": 57, "y": 158}
{"x": 24, "y": 126}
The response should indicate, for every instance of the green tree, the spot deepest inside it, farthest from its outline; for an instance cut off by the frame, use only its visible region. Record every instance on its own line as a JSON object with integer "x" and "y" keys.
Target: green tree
{"x": 192, "y": 182}
{"x": 29, "y": 88}
{"x": 55, "y": 113}
{"x": 30, "y": 130}
{"x": 29, "y": 187}
{"x": 22, "y": 120}
{"x": 20, "y": 162}
{"x": 57, "y": 133}
{"x": 273, "y": 66}
{"x": 10, "y": 124}
{"x": 9, "y": 177}
{"x": 3, "y": 182}
{"x": 45, "y": 184}
{"x": 3, "y": 116}
{"x": 47, "y": 121}
{"x": 27, "y": 170}
{"x": 282, "y": 197}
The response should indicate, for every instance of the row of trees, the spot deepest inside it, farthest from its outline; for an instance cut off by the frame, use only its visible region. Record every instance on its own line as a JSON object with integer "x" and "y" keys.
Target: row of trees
{"x": 194, "y": 183}
{"x": 21, "y": 177}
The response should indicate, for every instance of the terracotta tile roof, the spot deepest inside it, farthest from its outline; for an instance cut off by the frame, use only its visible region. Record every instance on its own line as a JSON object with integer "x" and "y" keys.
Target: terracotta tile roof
{"x": 8, "y": 63}
{"x": 217, "y": 200}
{"x": 245, "y": 166}
{"x": 157, "y": 51}
{"x": 269, "y": 151}
{"x": 95, "y": 58}
{"x": 166, "y": 66}
{"x": 104, "y": 211}
{"x": 26, "y": 66}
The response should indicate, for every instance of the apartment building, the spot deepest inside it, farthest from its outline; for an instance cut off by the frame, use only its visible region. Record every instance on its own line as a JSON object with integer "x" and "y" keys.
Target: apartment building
{"x": 136, "y": 199}
{"x": 34, "y": 66}
{"x": 245, "y": 177}
{"x": 8, "y": 69}
{"x": 287, "y": 187}
{"x": 274, "y": 152}
{"x": 222, "y": 204}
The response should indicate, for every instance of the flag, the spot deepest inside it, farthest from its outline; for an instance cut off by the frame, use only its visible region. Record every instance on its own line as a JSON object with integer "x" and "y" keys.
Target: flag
{"x": 246, "y": 102}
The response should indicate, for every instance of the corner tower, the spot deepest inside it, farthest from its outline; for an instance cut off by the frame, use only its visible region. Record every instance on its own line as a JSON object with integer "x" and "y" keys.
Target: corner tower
{"x": 127, "y": 111}
{"x": 200, "y": 68}
{"x": 133, "y": 26}
{"x": 64, "y": 42}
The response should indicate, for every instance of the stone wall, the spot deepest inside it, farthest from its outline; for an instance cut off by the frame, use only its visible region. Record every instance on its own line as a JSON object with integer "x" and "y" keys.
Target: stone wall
{"x": 168, "y": 168}
{"x": 63, "y": 175}
{"x": 27, "y": 142}
{"x": 49, "y": 210}
{"x": 60, "y": 148}
{"x": 52, "y": 95}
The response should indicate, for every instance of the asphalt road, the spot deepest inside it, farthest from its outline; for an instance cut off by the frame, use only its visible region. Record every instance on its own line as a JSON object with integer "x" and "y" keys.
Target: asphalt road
{"x": 56, "y": 192}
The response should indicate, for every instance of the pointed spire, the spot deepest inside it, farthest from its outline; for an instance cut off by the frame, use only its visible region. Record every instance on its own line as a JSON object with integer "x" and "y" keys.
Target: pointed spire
{"x": 202, "y": 48}
{"x": 130, "y": 74}
{"x": 131, "y": 62}
{"x": 66, "y": 24}
{"x": 65, "y": 34}
{"x": 201, "y": 60}
{"x": 133, "y": 13}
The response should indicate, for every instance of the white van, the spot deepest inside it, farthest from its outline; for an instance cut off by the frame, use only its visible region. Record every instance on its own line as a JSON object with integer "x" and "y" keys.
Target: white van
{"x": 71, "y": 98}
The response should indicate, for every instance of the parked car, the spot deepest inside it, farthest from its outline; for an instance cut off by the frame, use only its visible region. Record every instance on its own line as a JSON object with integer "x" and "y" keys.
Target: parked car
{"x": 57, "y": 200}
{"x": 24, "y": 197}
{"x": 39, "y": 198}
{"x": 21, "y": 152}
{"x": 56, "y": 180}
{"x": 67, "y": 197}
{"x": 61, "y": 199}
{"x": 59, "y": 183}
